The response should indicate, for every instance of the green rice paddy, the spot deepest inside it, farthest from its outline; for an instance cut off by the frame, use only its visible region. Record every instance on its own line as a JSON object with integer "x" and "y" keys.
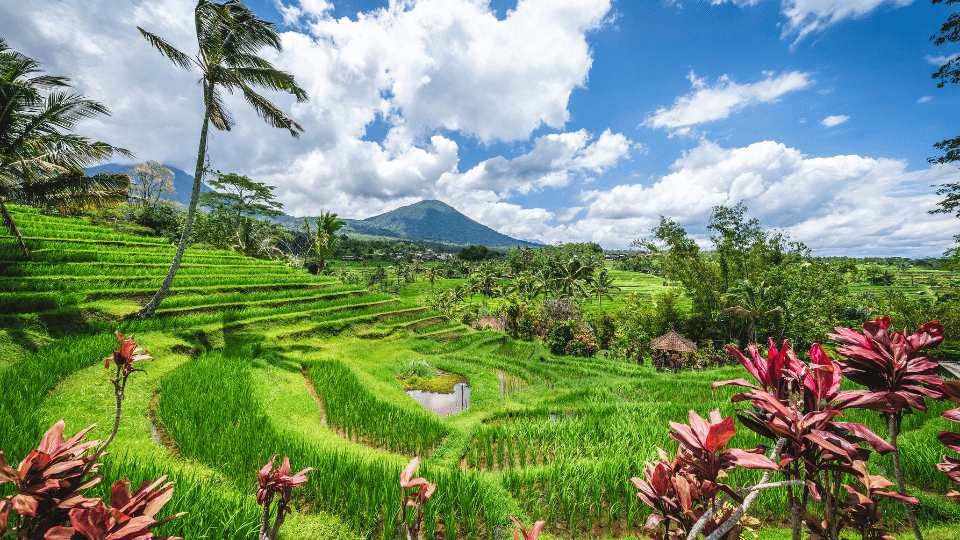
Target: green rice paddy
{"x": 253, "y": 358}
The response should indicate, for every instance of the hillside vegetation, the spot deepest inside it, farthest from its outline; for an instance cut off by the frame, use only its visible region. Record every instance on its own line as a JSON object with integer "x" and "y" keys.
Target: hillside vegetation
{"x": 253, "y": 358}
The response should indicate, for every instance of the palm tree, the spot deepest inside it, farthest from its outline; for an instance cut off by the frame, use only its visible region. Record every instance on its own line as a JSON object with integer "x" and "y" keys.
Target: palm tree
{"x": 569, "y": 279}
{"x": 487, "y": 280}
{"x": 432, "y": 275}
{"x": 603, "y": 285}
{"x": 752, "y": 304}
{"x": 40, "y": 161}
{"x": 325, "y": 238}
{"x": 229, "y": 35}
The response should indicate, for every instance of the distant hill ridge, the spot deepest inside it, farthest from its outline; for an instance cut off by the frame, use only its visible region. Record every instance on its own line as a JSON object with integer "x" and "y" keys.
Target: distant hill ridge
{"x": 430, "y": 220}
{"x": 433, "y": 220}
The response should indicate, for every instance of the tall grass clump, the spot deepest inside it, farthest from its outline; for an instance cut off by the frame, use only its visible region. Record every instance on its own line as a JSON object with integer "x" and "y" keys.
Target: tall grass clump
{"x": 353, "y": 409}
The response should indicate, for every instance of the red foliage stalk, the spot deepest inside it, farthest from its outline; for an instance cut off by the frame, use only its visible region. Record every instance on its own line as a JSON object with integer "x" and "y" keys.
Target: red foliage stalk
{"x": 894, "y": 367}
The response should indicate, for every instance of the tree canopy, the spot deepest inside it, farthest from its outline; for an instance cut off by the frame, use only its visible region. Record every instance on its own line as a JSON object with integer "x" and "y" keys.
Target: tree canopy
{"x": 41, "y": 161}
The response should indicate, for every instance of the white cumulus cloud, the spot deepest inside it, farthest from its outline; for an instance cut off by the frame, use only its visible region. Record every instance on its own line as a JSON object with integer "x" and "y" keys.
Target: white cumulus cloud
{"x": 808, "y": 16}
{"x": 423, "y": 70}
{"x": 941, "y": 59}
{"x": 711, "y": 103}
{"x": 835, "y": 120}
{"x": 837, "y": 205}
{"x": 924, "y": 99}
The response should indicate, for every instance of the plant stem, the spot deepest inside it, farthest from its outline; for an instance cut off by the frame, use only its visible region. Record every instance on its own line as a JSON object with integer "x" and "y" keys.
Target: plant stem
{"x": 753, "y": 491}
{"x": 265, "y": 523}
{"x": 893, "y": 425}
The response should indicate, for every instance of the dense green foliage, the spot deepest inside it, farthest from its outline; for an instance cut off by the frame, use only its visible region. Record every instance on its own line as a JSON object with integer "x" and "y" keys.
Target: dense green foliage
{"x": 547, "y": 436}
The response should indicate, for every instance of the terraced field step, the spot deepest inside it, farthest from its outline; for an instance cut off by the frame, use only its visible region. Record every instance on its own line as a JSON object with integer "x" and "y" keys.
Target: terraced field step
{"x": 247, "y": 304}
{"x": 406, "y": 324}
{"x": 445, "y": 335}
{"x": 142, "y": 284}
{"x": 139, "y": 270}
{"x": 142, "y": 241}
{"x": 56, "y": 246}
{"x": 386, "y": 309}
{"x": 163, "y": 258}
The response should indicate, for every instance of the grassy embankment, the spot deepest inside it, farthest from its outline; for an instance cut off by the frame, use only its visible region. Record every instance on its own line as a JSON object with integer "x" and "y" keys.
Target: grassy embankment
{"x": 253, "y": 359}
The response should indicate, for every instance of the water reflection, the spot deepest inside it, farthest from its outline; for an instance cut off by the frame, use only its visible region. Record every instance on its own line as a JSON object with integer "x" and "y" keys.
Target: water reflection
{"x": 444, "y": 404}
{"x": 510, "y": 384}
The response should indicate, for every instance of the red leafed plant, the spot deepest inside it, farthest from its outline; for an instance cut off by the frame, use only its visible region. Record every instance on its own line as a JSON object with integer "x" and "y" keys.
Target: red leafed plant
{"x": 798, "y": 403}
{"x": 524, "y": 534}
{"x": 684, "y": 490}
{"x": 860, "y": 511}
{"x": 414, "y": 499}
{"x": 129, "y": 517}
{"x": 48, "y": 481}
{"x": 272, "y": 482}
{"x": 894, "y": 366}
{"x": 48, "y": 484}
{"x": 951, "y": 465}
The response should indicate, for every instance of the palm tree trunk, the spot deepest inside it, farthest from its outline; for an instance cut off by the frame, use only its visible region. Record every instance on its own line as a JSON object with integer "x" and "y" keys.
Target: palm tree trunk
{"x": 893, "y": 426}
{"x": 150, "y": 309}
{"x": 8, "y": 221}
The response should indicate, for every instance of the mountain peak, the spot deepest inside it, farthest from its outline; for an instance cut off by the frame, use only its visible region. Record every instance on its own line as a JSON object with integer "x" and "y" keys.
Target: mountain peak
{"x": 438, "y": 221}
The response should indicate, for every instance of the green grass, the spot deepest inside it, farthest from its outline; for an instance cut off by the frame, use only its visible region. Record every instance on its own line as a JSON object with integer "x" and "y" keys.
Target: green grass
{"x": 228, "y": 386}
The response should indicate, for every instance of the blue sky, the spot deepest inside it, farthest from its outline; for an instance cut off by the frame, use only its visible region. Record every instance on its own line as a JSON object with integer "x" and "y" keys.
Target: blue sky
{"x": 557, "y": 120}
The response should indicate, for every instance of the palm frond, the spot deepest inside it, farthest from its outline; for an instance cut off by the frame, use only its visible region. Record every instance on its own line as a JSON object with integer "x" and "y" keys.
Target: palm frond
{"x": 270, "y": 113}
{"x": 248, "y": 33}
{"x": 248, "y": 60}
{"x": 166, "y": 49}
{"x": 219, "y": 115}
{"x": 73, "y": 191}
{"x": 272, "y": 79}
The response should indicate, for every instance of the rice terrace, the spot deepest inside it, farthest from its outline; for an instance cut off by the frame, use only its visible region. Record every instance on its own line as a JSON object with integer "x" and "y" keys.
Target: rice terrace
{"x": 211, "y": 367}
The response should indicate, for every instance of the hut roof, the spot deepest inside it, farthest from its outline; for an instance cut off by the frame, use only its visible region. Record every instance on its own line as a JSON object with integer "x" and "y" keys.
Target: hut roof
{"x": 672, "y": 341}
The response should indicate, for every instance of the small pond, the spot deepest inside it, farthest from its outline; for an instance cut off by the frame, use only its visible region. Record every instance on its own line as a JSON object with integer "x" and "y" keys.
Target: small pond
{"x": 444, "y": 404}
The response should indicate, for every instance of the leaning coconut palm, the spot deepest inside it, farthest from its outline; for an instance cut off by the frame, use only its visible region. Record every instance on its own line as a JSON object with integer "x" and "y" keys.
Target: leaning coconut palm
{"x": 229, "y": 35}
{"x": 40, "y": 161}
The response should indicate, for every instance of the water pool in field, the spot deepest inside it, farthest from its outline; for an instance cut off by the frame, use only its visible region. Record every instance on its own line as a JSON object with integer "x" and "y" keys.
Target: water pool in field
{"x": 444, "y": 404}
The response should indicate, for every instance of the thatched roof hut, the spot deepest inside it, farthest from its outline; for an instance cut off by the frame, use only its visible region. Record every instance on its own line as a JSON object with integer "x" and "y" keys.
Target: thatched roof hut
{"x": 672, "y": 341}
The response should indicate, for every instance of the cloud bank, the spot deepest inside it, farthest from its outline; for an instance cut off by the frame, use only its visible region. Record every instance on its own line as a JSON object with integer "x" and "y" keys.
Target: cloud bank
{"x": 711, "y": 103}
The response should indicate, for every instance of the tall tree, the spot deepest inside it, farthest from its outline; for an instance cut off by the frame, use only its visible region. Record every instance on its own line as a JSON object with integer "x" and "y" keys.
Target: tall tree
{"x": 324, "y": 239}
{"x": 40, "y": 160}
{"x": 603, "y": 285}
{"x": 736, "y": 239}
{"x": 948, "y": 72}
{"x": 229, "y": 36}
{"x": 150, "y": 181}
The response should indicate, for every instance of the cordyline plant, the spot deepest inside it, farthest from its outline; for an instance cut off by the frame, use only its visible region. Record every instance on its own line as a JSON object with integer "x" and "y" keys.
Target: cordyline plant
{"x": 895, "y": 367}
{"x": 797, "y": 402}
{"x": 49, "y": 481}
{"x": 683, "y": 491}
{"x": 123, "y": 359}
{"x": 129, "y": 517}
{"x": 48, "y": 484}
{"x": 272, "y": 482}
{"x": 860, "y": 510}
{"x": 421, "y": 491}
{"x": 523, "y": 533}
{"x": 950, "y": 465}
